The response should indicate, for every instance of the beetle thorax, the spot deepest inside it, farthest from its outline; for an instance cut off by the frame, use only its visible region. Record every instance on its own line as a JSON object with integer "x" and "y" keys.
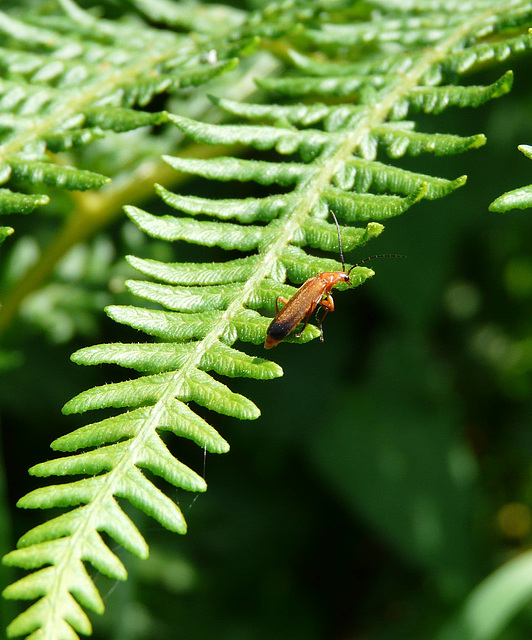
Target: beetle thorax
{"x": 331, "y": 278}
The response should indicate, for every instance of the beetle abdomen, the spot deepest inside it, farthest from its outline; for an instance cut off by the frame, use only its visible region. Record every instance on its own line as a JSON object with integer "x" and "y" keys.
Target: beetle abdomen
{"x": 276, "y": 332}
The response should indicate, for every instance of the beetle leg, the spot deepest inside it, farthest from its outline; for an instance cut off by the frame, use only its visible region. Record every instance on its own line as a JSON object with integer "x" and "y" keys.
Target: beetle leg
{"x": 326, "y": 303}
{"x": 298, "y": 334}
{"x": 277, "y": 300}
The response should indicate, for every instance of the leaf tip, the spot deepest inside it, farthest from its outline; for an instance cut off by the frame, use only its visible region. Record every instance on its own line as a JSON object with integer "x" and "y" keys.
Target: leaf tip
{"x": 478, "y": 140}
{"x": 459, "y": 182}
{"x": 526, "y": 149}
{"x": 374, "y": 229}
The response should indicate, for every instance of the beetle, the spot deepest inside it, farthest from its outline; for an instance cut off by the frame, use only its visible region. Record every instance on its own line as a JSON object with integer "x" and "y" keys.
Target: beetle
{"x": 315, "y": 292}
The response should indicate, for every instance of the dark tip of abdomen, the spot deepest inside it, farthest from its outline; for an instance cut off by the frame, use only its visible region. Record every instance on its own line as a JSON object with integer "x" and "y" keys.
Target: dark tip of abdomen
{"x": 277, "y": 331}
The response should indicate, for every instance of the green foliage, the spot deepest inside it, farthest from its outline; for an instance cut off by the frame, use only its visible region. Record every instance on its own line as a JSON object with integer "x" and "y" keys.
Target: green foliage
{"x": 361, "y": 73}
{"x": 494, "y": 602}
{"x": 517, "y": 198}
{"x": 68, "y": 79}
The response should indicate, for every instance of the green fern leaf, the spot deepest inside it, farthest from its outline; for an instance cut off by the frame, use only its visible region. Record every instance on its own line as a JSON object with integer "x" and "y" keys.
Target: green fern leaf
{"x": 177, "y": 418}
{"x": 5, "y": 232}
{"x": 517, "y": 198}
{"x": 436, "y": 99}
{"x": 11, "y": 202}
{"x": 68, "y": 79}
{"x": 119, "y": 119}
{"x": 198, "y": 273}
{"x": 323, "y": 156}
{"x": 62, "y": 176}
{"x": 226, "y": 169}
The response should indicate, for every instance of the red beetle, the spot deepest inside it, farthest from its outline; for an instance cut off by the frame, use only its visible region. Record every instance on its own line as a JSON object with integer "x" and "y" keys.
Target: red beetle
{"x": 315, "y": 292}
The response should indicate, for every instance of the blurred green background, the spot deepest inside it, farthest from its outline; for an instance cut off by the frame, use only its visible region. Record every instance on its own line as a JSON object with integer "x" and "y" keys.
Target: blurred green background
{"x": 391, "y": 470}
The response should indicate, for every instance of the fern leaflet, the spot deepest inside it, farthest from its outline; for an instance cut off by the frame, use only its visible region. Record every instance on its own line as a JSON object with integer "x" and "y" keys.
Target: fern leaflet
{"x": 517, "y": 198}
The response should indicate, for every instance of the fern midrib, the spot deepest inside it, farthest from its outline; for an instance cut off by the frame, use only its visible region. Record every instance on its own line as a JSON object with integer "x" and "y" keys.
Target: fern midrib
{"x": 310, "y": 190}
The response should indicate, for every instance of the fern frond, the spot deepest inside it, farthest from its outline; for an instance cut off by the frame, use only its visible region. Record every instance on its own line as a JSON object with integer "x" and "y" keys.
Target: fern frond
{"x": 325, "y": 156}
{"x": 68, "y": 79}
{"x": 517, "y": 198}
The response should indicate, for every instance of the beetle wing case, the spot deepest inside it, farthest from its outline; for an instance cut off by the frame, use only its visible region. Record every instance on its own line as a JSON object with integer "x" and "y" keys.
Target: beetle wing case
{"x": 299, "y": 307}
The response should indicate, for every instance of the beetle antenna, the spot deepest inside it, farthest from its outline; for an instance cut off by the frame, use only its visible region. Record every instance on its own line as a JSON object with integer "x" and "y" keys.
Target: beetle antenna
{"x": 339, "y": 241}
{"x": 381, "y": 255}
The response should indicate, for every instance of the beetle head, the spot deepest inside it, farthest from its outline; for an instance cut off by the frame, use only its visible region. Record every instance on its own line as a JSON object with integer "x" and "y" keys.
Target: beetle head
{"x": 344, "y": 277}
